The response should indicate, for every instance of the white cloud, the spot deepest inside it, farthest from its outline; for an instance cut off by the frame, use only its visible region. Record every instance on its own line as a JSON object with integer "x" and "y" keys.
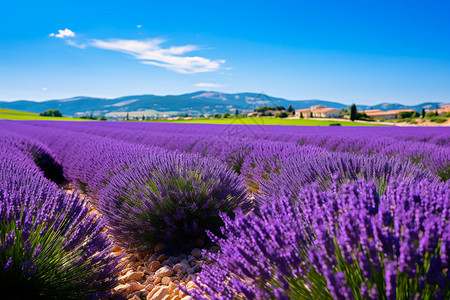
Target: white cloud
{"x": 150, "y": 52}
{"x": 44, "y": 89}
{"x": 63, "y": 33}
{"x": 209, "y": 85}
{"x": 76, "y": 44}
{"x": 139, "y": 26}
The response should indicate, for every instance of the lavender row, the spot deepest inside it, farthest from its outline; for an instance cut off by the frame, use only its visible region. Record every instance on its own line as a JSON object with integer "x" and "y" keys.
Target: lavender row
{"x": 345, "y": 243}
{"x": 147, "y": 195}
{"x": 50, "y": 245}
{"x": 231, "y": 144}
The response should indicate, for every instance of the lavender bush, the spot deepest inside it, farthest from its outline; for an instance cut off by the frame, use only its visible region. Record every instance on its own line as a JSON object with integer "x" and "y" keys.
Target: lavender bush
{"x": 324, "y": 168}
{"x": 41, "y": 155}
{"x": 346, "y": 243}
{"x": 51, "y": 247}
{"x": 267, "y": 158}
{"x": 170, "y": 198}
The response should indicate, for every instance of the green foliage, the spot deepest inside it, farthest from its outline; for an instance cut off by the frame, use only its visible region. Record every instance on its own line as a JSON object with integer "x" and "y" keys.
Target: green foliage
{"x": 90, "y": 117}
{"x": 51, "y": 113}
{"x": 290, "y": 109}
{"x": 282, "y": 114}
{"x": 364, "y": 117}
{"x": 266, "y": 108}
{"x": 273, "y": 121}
{"x": 438, "y": 119}
{"x": 353, "y": 112}
{"x": 217, "y": 116}
{"x": 56, "y": 276}
{"x": 103, "y": 118}
{"x": 10, "y": 114}
{"x": 405, "y": 114}
{"x": 226, "y": 115}
{"x": 267, "y": 114}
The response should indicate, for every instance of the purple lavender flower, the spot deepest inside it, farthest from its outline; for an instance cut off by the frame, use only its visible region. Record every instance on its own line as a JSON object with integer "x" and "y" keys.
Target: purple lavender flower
{"x": 171, "y": 198}
{"x": 29, "y": 203}
{"x": 8, "y": 264}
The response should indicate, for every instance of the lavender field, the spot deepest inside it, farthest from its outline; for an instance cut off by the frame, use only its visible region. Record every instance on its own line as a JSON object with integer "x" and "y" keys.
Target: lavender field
{"x": 178, "y": 211}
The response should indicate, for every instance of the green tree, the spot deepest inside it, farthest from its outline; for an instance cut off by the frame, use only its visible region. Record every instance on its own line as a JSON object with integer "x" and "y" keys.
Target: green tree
{"x": 282, "y": 114}
{"x": 290, "y": 109}
{"x": 51, "y": 113}
{"x": 423, "y": 112}
{"x": 404, "y": 114}
{"x": 236, "y": 113}
{"x": 353, "y": 112}
{"x": 226, "y": 115}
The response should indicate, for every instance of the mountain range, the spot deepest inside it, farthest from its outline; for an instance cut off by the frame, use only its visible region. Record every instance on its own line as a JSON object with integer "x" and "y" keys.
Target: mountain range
{"x": 194, "y": 104}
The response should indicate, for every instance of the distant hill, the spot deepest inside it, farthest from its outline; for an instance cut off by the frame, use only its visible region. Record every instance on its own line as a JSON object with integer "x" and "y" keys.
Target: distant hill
{"x": 195, "y": 104}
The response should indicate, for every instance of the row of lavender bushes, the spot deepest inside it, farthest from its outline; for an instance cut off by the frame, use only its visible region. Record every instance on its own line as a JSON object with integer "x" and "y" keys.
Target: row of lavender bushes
{"x": 348, "y": 242}
{"x": 50, "y": 245}
{"x": 324, "y": 225}
{"x": 425, "y": 146}
{"x": 146, "y": 195}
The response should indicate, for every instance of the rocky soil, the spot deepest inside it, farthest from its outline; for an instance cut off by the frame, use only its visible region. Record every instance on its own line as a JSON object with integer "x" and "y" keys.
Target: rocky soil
{"x": 154, "y": 275}
{"x": 157, "y": 276}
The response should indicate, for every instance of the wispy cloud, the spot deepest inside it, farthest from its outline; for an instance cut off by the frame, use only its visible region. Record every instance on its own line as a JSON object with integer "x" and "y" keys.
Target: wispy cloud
{"x": 209, "y": 85}
{"x": 151, "y": 52}
{"x": 76, "y": 44}
{"x": 63, "y": 33}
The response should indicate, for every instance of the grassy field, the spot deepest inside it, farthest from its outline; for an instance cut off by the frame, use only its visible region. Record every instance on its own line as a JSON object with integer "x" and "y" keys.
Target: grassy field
{"x": 9, "y": 114}
{"x": 272, "y": 121}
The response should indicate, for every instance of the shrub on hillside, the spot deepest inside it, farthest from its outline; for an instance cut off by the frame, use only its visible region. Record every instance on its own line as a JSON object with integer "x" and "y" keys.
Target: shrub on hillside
{"x": 405, "y": 114}
{"x": 51, "y": 113}
{"x": 281, "y": 115}
{"x": 345, "y": 243}
{"x": 171, "y": 198}
{"x": 438, "y": 119}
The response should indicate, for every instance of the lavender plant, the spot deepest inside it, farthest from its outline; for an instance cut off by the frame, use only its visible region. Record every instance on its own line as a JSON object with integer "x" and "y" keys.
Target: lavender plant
{"x": 169, "y": 198}
{"x": 345, "y": 243}
{"x": 324, "y": 168}
{"x": 266, "y": 158}
{"x": 41, "y": 155}
{"x": 51, "y": 247}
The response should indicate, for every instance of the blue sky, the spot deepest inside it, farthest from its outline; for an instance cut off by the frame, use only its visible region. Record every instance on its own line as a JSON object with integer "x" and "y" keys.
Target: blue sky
{"x": 349, "y": 51}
